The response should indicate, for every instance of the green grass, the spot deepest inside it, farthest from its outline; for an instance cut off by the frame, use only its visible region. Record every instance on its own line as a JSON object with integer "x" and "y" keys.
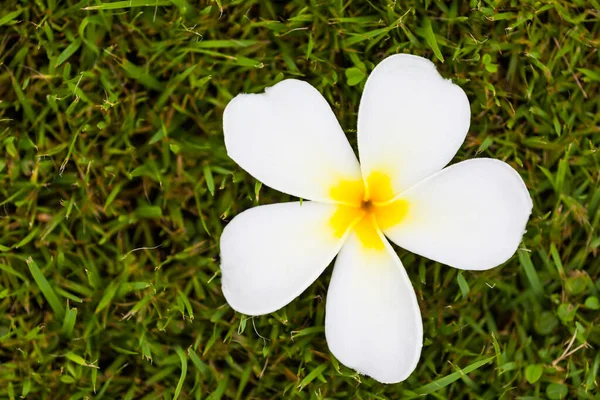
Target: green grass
{"x": 115, "y": 187}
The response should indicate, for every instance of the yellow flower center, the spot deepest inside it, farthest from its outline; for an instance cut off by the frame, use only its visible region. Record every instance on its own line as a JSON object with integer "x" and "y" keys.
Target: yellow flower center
{"x": 367, "y": 207}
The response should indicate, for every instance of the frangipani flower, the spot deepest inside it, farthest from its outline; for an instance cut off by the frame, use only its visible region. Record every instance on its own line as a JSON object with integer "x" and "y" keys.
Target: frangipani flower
{"x": 411, "y": 122}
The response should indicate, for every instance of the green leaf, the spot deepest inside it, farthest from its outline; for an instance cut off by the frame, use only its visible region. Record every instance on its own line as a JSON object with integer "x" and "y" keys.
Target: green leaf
{"x": 576, "y": 284}
{"x": 589, "y": 74}
{"x": 183, "y": 359}
{"x": 95, "y": 378}
{"x": 187, "y": 306}
{"x": 210, "y": 182}
{"x": 354, "y": 76}
{"x": 68, "y": 52}
{"x": 224, "y": 44}
{"x": 201, "y": 366}
{"x": 566, "y": 312}
{"x": 9, "y": 17}
{"x": 592, "y": 303}
{"x": 257, "y": 187}
{"x": 310, "y": 46}
{"x": 10, "y": 270}
{"x": 463, "y": 285}
{"x": 533, "y": 373}
{"x": 453, "y": 377}
{"x": 556, "y": 391}
{"x": 109, "y": 293}
{"x": 69, "y": 322}
{"x": 113, "y": 195}
{"x": 141, "y": 75}
{"x": 312, "y": 375}
{"x": 431, "y": 40}
{"x": 24, "y": 101}
{"x": 148, "y": 212}
{"x": 46, "y": 289}
{"x": 359, "y": 37}
{"x": 545, "y": 323}
{"x": 77, "y": 359}
{"x": 530, "y": 272}
{"x": 173, "y": 84}
{"x": 26, "y": 388}
{"x": 487, "y": 142}
{"x": 557, "y": 261}
{"x": 129, "y": 4}
{"x": 492, "y": 68}
{"x": 202, "y": 81}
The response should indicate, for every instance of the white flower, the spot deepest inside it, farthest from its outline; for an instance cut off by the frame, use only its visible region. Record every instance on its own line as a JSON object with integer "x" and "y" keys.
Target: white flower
{"x": 411, "y": 122}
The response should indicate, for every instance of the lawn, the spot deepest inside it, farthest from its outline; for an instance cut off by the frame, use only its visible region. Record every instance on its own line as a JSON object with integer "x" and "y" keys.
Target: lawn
{"x": 115, "y": 187}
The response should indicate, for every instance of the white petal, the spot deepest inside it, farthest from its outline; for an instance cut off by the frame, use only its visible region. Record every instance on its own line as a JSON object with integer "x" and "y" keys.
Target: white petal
{"x": 372, "y": 320}
{"x": 471, "y": 215}
{"x": 411, "y": 121}
{"x": 270, "y": 254}
{"x": 289, "y": 139}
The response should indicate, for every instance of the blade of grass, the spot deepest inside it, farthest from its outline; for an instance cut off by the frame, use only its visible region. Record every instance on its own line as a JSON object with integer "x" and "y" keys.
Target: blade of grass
{"x": 431, "y": 40}
{"x": 46, "y": 289}
{"x": 184, "y": 364}
{"x": 68, "y": 52}
{"x": 69, "y": 322}
{"x": 531, "y": 273}
{"x": 128, "y": 4}
{"x": 10, "y": 17}
{"x": 453, "y": 377}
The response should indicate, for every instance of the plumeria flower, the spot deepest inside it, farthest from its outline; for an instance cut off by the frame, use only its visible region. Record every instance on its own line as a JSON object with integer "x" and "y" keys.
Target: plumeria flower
{"x": 411, "y": 122}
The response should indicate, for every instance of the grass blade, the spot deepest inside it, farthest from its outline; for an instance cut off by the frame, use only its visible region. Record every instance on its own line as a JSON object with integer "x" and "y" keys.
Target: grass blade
{"x": 183, "y": 359}
{"x": 453, "y": 377}
{"x": 109, "y": 293}
{"x": 128, "y": 4}
{"x": 210, "y": 181}
{"x": 430, "y": 39}
{"x": 68, "y": 52}
{"x": 69, "y": 322}
{"x": 312, "y": 375}
{"x": 530, "y": 272}
{"x": 9, "y": 17}
{"x": 25, "y": 102}
{"x": 46, "y": 289}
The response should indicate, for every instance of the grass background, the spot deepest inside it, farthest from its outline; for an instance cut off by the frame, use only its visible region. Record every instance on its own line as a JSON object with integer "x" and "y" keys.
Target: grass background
{"x": 115, "y": 187}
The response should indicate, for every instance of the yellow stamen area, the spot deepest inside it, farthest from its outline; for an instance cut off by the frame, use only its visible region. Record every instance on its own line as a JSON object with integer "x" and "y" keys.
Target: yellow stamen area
{"x": 380, "y": 187}
{"x": 367, "y": 209}
{"x": 349, "y": 192}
